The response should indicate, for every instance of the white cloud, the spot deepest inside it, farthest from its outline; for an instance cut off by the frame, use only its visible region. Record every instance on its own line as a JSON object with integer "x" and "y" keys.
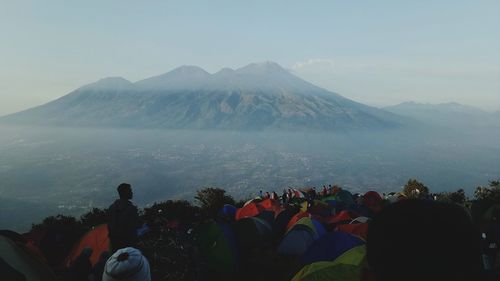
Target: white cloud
{"x": 316, "y": 63}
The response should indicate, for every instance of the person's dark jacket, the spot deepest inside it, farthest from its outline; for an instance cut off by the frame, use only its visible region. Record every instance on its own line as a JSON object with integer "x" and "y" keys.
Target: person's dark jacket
{"x": 123, "y": 221}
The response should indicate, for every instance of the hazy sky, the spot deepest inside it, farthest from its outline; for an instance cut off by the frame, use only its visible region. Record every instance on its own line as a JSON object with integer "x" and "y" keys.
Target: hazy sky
{"x": 377, "y": 52}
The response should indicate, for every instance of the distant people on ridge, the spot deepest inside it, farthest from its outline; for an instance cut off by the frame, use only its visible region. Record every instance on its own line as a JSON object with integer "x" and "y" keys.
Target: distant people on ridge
{"x": 123, "y": 220}
{"x": 274, "y": 195}
{"x": 284, "y": 197}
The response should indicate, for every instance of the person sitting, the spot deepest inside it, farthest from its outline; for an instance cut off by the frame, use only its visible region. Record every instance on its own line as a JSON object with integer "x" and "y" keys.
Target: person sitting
{"x": 81, "y": 268}
{"x": 423, "y": 240}
{"x": 123, "y": 220}
{"x": 98, "y": 268}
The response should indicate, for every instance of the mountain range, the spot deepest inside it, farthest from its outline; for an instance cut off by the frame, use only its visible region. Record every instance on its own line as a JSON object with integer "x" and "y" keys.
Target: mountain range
{"x": 259, "y": 96}
{"x": 449, "y": 115}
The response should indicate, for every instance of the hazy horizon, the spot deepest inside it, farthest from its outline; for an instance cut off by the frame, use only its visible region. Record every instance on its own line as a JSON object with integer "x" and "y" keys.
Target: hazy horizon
{"x": 380, "y": 54}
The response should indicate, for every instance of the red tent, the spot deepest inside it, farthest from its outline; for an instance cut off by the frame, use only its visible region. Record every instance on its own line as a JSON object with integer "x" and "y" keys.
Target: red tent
{"x": 96, "y": 239}
{"x": 343, "y": 216}
{"x": 373, "y": 201}
{"x": 358, "y": 229}
{"x": 296, "y": 218}
{"x": 249, "y": 210}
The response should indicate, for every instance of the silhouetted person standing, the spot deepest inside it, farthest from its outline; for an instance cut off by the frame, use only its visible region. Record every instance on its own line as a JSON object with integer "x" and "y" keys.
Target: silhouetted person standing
{"x": 123, "y": 220}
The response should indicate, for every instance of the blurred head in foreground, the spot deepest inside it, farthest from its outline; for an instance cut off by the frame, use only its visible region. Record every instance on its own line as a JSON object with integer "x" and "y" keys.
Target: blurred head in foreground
{"x": 423, "y": 240}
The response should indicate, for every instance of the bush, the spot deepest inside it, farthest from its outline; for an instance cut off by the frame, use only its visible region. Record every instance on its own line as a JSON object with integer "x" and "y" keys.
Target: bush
{"x": 415, "y": 189}
{"x": 60, "y": 233}
{"x": 211, "y": 200}
{"x": 457, "y": 197}
{"x": 181, "y": 210}
{"x": 491, "y": 193}
{"x": 94, "y": 218}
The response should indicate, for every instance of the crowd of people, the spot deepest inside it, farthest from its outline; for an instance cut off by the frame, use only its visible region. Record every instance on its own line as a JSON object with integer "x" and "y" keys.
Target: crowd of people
{"x": 407, "y": 239}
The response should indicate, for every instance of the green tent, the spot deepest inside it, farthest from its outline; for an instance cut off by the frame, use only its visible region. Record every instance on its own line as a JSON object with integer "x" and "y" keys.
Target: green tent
{"x": 346, "y": 267}
{"x": 218, "y": 247}
{"x": 18, "y": 263}
{"x": 325, "y": 271}
{"x": 307, "y": 222}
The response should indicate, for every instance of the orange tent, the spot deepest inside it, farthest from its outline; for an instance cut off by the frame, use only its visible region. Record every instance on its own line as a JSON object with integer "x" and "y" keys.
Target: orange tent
{"x": 358, "y": 229}
{"x": 249, "y": 210}
{"x": 96, "y": 239}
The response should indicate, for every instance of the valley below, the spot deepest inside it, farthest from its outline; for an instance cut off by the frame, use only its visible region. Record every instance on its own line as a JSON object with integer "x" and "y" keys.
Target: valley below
{"x": 45, "y": 171}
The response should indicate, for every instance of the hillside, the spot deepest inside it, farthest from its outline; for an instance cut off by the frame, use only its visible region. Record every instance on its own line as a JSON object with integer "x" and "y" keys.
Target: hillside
{"x": 255, "y": 97}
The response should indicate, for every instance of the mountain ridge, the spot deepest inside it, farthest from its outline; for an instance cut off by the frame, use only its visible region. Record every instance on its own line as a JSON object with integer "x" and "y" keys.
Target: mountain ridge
{"x": 451, "y": 114}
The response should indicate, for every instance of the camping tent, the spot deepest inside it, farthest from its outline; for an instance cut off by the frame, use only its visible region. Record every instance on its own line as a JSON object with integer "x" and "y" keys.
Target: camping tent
{"x": 330, "y": 246}
{"x": 296, "y": 218}
{"x": 17, "y": 263}
{"x": 360, "y": 220}
{"x": 358, "y": 229}
{"x": 217, "y": 245}
{"x": 268, "y": 216}
{"x": 345, "y": 198}
{"x": 342, "y": 217}
{"x": 327, "y": 272}
{"x": 251, "y": 209}
{"x": 297, "y": 240}
{"x": 373, "y": 201}
{"x": 96, "y": 239}
{"x": 345, "y": 268}
{"x": 269, "y": 204}
{"x": 228, "y": 211}
{"x": 313, "y": 224}
{"x": 280, "y": 223}
{"x": 253, "y": 232}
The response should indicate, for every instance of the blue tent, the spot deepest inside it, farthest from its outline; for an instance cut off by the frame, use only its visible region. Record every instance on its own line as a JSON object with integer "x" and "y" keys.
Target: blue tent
{"x": 297, "y": 241}
{"x": 280, "y": 223}
{"x": 268, "y": 216}
{"x": 346, "y": 198}
{"x": 229, "y": 211}
{"x": 330, "y": 246}
{"x": 320, "y": 229}
{"x": 253, "y": 232}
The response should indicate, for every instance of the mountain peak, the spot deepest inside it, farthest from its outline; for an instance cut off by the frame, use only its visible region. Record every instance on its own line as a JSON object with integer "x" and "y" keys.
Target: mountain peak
{"x": 224, "y": 71}
{"x": 189, "y": 70}
{"x": 265, "y": 67}
{"x": 117, "y": 83}
{"x": 183, "y": 77}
